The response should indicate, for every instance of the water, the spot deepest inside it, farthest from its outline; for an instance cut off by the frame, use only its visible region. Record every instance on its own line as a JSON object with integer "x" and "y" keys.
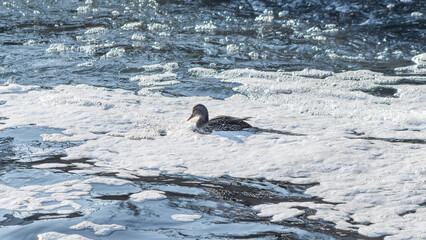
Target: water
{"x": 102, "y": 89}
{"x": 327, "y": 35}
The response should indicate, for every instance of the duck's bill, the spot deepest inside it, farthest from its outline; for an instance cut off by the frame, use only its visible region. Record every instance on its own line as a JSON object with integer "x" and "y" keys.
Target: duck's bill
{"x": 190, "y": 117}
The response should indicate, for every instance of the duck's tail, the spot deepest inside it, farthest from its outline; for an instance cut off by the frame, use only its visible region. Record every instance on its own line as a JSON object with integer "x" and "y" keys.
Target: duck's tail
{"x": 263, "y": 130}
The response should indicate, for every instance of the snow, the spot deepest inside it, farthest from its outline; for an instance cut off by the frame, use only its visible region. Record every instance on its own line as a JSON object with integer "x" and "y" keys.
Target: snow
{"x": 186, "y": 217}
{"x": 372, "y": 181}
{"x": 148, "y": 195}
{"x": 99, "y": 229}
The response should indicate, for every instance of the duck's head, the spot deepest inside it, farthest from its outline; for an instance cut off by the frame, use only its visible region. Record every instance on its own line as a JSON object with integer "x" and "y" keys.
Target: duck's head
{"x": 199, "y": 110}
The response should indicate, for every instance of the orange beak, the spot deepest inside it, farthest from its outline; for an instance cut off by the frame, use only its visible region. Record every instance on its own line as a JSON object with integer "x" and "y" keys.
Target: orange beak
{"x": 190, "y": 117}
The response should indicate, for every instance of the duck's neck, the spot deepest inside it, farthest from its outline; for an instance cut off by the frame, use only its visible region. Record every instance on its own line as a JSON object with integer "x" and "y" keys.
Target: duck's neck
{"x": 203, "y": 119}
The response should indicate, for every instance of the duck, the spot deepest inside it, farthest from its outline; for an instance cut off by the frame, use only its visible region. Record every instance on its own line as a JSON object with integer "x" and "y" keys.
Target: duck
{"x": 219, "y": 123}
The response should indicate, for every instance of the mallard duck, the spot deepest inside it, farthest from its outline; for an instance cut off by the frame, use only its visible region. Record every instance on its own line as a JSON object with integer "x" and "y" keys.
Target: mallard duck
{"x": 219, "y": 123}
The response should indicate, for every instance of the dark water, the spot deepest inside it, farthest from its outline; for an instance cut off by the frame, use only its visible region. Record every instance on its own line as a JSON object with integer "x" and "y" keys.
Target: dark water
{"x": 263, "y": 35}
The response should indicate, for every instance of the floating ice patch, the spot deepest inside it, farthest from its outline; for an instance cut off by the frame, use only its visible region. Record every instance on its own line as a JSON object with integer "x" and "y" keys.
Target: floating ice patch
{"x": 186, "y": 217}
{"x": 99, "y": 229}
{"x": 148, "y": 195}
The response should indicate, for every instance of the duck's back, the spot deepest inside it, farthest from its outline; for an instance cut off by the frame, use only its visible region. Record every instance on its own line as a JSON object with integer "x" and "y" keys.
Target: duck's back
{"x": 226, "y": 123}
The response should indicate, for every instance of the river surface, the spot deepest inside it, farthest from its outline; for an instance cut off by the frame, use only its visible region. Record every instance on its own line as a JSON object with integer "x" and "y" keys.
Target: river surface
{"x": 94, "y": 97}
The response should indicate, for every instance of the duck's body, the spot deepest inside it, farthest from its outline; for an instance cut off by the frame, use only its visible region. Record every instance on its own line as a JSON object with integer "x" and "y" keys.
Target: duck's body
{"x": 219, "y": 123}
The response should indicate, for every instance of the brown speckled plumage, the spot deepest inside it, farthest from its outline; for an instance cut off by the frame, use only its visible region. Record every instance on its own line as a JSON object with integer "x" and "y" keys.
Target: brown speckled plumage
{"x": 219, "y": 123}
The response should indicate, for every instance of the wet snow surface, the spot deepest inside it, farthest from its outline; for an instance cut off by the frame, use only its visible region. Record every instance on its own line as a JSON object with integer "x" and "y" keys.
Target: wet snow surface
{"x": 94, "y": 142}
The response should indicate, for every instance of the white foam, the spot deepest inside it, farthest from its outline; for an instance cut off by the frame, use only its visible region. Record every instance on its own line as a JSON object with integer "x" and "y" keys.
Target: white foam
{"x": 418, "y": 68}
{"x": 232, "y": 49}
{"x": 186, "y": 217}
{"x": 157, "y": 26}
{"x": 267, "y": 16}
{"x": 83, "y": 9}
{"x": 155, "y": 79}
{"x": 50, "y": 165}
{"x": 138, "y": 37}
{"x": 30, "y": 43}
{"x": 131, "y": 26}
{"x": 15, "y": 88}
{"x": 96, "y": 30}
{"x": 202, "y": 72}
{"x": 148, "y": 195}
{"x": 86, "y": 64}
{"x": 417, "y": 14}
{"x": 57, "y": 48}
{"x": 374, "y": 181}
{"x": 161, "y": 67}
{"x": 26, "y": 199}
{"x": 107, "y": 181}
{"x": 60, "y": 236}
{"x": 208, "y": 27}
{"x": 99, "y": 229}
{"x": 115, "y": 52}
{"x": 61, "y": 194}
